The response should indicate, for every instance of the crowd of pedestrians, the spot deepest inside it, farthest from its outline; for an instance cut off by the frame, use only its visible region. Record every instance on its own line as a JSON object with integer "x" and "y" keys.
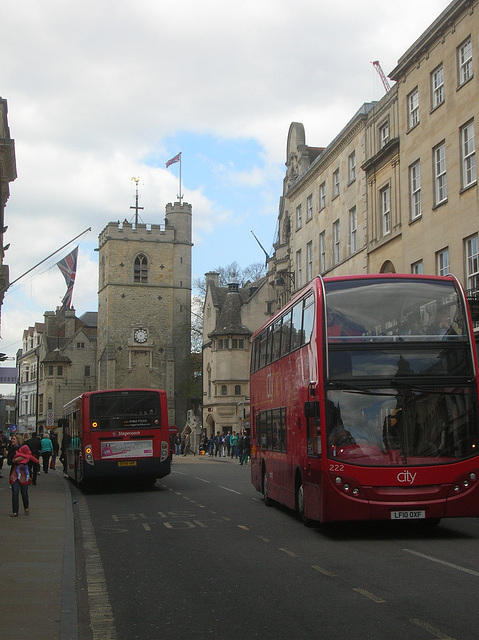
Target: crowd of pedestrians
{"x": 23, "y": 460}
{"x": 228, "y": 445}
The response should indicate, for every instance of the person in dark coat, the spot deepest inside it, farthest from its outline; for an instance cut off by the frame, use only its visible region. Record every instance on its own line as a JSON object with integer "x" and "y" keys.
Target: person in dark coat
{"x": 35, "y": 445}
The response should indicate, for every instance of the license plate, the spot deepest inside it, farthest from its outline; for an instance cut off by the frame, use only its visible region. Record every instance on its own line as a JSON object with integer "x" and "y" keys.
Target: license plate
{"x": 127, "y": 463}
{"x": 408, "y": 515}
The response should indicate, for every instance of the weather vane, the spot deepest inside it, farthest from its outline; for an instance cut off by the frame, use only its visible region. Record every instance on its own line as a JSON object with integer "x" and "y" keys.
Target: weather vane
{"x": 136, "y": 207}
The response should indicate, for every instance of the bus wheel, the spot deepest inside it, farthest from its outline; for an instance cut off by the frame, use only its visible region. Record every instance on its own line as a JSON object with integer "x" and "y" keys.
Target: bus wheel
{"x": 300, "y": 503}
{"x": 268, "y": 502}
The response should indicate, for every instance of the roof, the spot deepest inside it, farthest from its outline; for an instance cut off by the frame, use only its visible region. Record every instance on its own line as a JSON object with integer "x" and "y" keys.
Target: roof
{"x": 56, "y": 356}
{"x": 90, "y": 318}
{"x": 230, "y": 300}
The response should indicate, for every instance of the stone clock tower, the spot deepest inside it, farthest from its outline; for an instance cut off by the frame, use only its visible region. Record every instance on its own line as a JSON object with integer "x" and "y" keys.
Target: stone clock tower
{"x": 144, "y": 301}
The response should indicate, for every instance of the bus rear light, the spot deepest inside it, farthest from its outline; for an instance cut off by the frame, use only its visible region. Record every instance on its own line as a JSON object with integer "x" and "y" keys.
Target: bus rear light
{"x": 94, "y": 424}
{"x": 89, "y": 454}
{"x": 163, "y": 451}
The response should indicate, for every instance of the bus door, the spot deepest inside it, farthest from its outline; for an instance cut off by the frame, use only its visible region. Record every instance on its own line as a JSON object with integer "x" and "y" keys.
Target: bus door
{"x": 313, "y": 428}
{"x": 312, "y": 472}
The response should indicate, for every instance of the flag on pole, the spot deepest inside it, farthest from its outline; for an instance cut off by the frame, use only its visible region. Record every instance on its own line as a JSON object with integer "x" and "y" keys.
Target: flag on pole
{"x": 177, "y": 158}
{"x": 68, "y": 267}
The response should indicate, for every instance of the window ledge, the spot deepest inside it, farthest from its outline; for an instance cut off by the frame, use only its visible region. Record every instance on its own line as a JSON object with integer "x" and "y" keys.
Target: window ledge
{"x": 438, "y": 106}
{"x": 469, "y": 186}
{"x": 413, "y": 220}
{"x": 439, "y": 204}
{"x": 459, "y": 86}
{"x": 414, "y": 126}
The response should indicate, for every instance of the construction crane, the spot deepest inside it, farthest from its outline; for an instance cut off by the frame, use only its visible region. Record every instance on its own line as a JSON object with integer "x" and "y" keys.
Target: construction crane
{"x": 382, "y": 75}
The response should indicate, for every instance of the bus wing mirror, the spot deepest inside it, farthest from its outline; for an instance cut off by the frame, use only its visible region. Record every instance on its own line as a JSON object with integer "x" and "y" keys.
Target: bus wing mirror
{"x": 311, "y": 409}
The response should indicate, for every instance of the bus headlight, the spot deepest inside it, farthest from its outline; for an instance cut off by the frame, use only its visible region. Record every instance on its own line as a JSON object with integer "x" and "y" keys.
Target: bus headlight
{"x": 464, "y": 483}
{"x": 348, "y": 485}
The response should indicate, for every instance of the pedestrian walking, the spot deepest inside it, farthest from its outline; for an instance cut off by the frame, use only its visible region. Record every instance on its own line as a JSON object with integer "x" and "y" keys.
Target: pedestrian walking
{"x": 3, "y": 449}
{"x": 178, "y": 444}
{"x": 46, "y": 451}
{"x": 234, "y": 445}
{"x": 20, "y": 478}
{"x": 35, "y": 445}
{"x": 245, "y": 450}
{"x": 218, "y": 440}
{"x": 240, "y": 447}
{"x": 228, "y": 443}
{"x": 56, "y": 448}
{"x": 66, "y": 442}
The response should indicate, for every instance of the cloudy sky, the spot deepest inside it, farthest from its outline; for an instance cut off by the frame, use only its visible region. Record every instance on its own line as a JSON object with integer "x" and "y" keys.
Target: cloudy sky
{"x": 101, "y": 91}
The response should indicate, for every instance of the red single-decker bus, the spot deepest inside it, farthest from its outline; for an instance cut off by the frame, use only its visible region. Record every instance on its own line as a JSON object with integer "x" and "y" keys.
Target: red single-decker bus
{"x": 117, "y": 433}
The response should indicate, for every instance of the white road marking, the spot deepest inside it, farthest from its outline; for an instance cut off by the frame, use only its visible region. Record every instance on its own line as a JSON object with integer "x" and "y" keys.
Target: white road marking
{"x": 443, "y": 562}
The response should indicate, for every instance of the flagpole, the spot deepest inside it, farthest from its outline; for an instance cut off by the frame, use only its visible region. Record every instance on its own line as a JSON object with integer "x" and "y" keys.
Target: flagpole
{"x": 44, "y": 260}
{"x": 180, "y": 197}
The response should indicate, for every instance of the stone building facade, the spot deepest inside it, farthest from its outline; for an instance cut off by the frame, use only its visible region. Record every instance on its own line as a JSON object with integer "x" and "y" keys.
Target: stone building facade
{"x": 144, "y": 305}
{"x": 8, "y": 173}
{"x": 57, "y": 362}
{"x": 396, "y": 190}
{"x": 231, "y": 315}
{"x": 437, "y": 86}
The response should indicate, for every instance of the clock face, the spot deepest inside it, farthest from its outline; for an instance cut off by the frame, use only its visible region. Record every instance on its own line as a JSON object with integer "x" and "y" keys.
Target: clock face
{"x": 141, "y": 335}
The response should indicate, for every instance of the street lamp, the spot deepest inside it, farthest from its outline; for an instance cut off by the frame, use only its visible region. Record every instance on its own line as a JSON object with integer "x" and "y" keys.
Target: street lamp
{"x": 279, "y": 281}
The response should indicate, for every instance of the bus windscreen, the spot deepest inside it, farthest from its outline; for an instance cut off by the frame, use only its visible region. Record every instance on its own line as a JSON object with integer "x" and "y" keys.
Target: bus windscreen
{"x": 375, "y": 311}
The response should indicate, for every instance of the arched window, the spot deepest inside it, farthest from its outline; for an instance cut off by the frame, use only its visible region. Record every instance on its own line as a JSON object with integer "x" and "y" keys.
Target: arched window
{"x": 387, "y": 267}
{"x": 141, "y": 268}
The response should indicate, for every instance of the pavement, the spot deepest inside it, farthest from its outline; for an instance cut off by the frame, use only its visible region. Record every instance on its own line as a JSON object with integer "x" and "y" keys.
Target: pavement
{"x": 37, "y": 558}
{"x": 37, "y": 562}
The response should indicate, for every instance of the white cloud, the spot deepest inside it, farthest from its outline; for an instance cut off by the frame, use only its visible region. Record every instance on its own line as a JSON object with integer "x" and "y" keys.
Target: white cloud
{"x": 95, "y": 88}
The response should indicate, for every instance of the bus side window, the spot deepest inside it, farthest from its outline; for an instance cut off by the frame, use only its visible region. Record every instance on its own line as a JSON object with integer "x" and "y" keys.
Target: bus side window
{"x": 297, "y": 326}
{"x": 276, "y": 336}
{"x": 308, "y": 319}
{"x": 263, "y": 346}
{"x": 286, "y": 334}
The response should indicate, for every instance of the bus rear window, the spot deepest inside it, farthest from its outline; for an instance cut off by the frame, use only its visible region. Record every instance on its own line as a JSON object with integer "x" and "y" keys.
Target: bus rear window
{"x": 132, "y": 409}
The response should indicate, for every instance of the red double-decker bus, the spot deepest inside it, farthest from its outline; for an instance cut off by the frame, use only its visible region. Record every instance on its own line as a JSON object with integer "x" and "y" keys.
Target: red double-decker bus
{"x": 117, "y": 433}
{"x": 364, "y": 401}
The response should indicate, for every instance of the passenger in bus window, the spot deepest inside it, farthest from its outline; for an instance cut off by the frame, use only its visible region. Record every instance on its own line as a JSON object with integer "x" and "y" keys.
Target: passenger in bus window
{"x": 413, "y": 325}
{"x": 441, "y": 325}
{"x": 340, "y": 436}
